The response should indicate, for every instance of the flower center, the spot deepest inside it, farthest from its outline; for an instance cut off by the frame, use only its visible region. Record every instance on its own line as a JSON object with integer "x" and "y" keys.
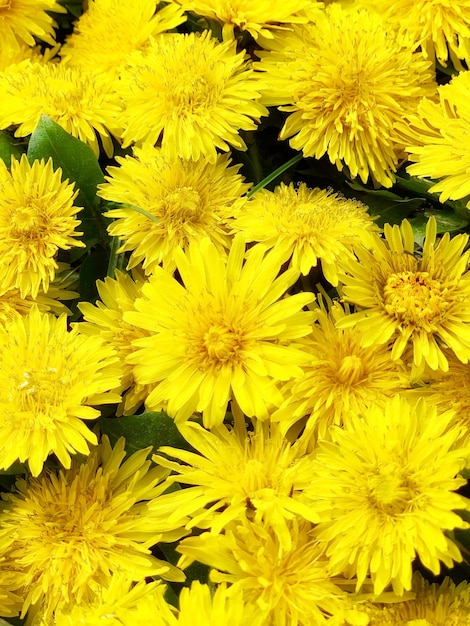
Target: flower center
{"x": 222, "y": 344}
{"x": 182, "y": 205}
{"x": 26, "y": 223}
{"x": 388, "y": 490}
{"x": 351, "y": 370}
{"x": 415, "y": 299}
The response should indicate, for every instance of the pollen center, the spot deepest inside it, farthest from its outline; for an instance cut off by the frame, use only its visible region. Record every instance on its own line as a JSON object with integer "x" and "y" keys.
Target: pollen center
{"x": 182, "y": 205}
{"x": 351, "y": 369}
{"x": 415, "y": 299}
{"x": 25, "y": 223}
{"x": 222, "y": 344}
{"x": 388, "y": 492}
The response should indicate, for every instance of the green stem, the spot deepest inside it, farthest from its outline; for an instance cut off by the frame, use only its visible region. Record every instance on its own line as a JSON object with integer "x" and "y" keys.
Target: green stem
{"x": 280, "y": 170}
{"x": 113, "y": 257}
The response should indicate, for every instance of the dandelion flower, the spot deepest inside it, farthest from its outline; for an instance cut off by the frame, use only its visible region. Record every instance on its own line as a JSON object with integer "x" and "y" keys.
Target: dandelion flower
{"x": 49, "y": 377}
{"x": 192, "y": 93}
{"x": 444, "y": 133}
{"x": 290, "y": 587}
{"x": 445, "y": 603}
{"x": 225, "y": 333}
{"x": 23, "y": 20}
{"x": 37, "y": 219}
{"x": 124, "y": 26}
{"x": 235, "y": 473}
{"x": 385, "y": 492}
{"x": 437, "y": 26}
{"x": 258, "y": 18}
{"x": 83, "y": 102}
{"x": 347, "y": 99}
{"x": 309, "y": 225}
{"x": 189, "y": 199}
{"x": 342, "y": 377}
{"x": 106, "y": 319}
{"x": 420, "y": 301}
{"x": 71, "y": 531}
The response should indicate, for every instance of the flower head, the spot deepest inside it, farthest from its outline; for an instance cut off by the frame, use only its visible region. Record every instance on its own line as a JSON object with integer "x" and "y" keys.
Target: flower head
{"x": 106, "y": 319}
{"x": 125, "y": 26}
{"x": 437, "y": 26}
{"x": 83, "y": 102}
{"x": 445, "y": 603}
{"x": 192, "y": 92}
{"x": 71, "y": 531}
{"x": 347, "y": 99}
{"x": 309, "y": 225}
{"x": 342, "y": 377}
{"x": 224, "y": 333}
{"x": 443, "y": 133}
{"x": 188, "y": 199}
{"x": 385, "y": 492}
{"x": 423, "y": 301}
{"x": 236, "y": 474}
{"x": 49, "y": 378}
{"x": 37, "y": 219}
{"x": 257, "y": 18}
{"x": 290, "y": 587}
{"x": 23, "y": 20}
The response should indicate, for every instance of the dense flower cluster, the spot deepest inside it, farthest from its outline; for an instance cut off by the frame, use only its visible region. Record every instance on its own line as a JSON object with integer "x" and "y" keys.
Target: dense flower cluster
{"x": 234, "y": 388}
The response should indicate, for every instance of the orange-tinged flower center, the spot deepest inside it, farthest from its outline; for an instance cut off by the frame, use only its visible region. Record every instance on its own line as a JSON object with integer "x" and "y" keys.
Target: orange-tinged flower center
{"x": 415, "y": 299}
{"x": 222, "y": 343}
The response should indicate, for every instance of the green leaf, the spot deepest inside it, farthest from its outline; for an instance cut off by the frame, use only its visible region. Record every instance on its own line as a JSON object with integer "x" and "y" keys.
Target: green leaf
{"x": 149, "y": 429}
{"x": 94, "y": 267}
{"x": 9, "y": 147}
{"x": 446, "y": 219}
{"x": 79, "y": 165}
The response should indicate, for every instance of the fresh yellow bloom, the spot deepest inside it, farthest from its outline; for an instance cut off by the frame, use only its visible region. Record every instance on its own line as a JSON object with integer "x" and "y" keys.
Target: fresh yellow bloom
{"x": 125, "y": 26}
{"x": 67, "y": 533}
{"x": 23, "y": 20}
{"x": 119, "y": 604}
{"x": 83, "y": 102}
{"x": 410, "y": 300}
{"x": 384, "y": 488}
{"x": 443, "y": 128}
{"x": 290, "y": 588}
{"x": 306, "y": 225}
{"x": 257, "y": 18}
{"x": 347, "y": 80}
{"x": 37, "y": 219}
{"x": 106, "y": 320}
{"x": 435, "y": 604}
{"x": 192, "y": 93}
{"x": 188, "y": 200}
{"x": 236, "y": 474}
{"x": 342, "y": 377}
{"x": 224, "y": 333}
{"x": 441, "y": 28}
{"x": 49, "y": 378}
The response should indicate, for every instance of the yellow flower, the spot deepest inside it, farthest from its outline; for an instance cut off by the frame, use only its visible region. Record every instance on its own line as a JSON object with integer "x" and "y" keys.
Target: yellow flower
{"x": 444, "y": 135}
{"x": 385, "y": 492}
{"x": 106, "y": 320}
{"x": 23, "y": 20}
{"x": 83, "y": 102}
{"x": 258, "y": 18}
{"x": 193, "y": 93}
{"x": 225, "y": 333}
{"x": 125, "y": 26}
{"x": 435, "y": 604}
{"x": 437, "y": 26}
{"x": 12, "y": 303}
{"x": 342, "y": 377}
{"x": 423, "y": 301}
{"x": 347, "y": 98}
{"x": 71, "y": 531}
{"x": 49, "y": 377}
{"x": 290, "y": 588}
{"x": 37, "y": 219}
{"x": 236, "y": 474}
{"x": 309, "y": 225}
{"x": 189, "y": 199}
